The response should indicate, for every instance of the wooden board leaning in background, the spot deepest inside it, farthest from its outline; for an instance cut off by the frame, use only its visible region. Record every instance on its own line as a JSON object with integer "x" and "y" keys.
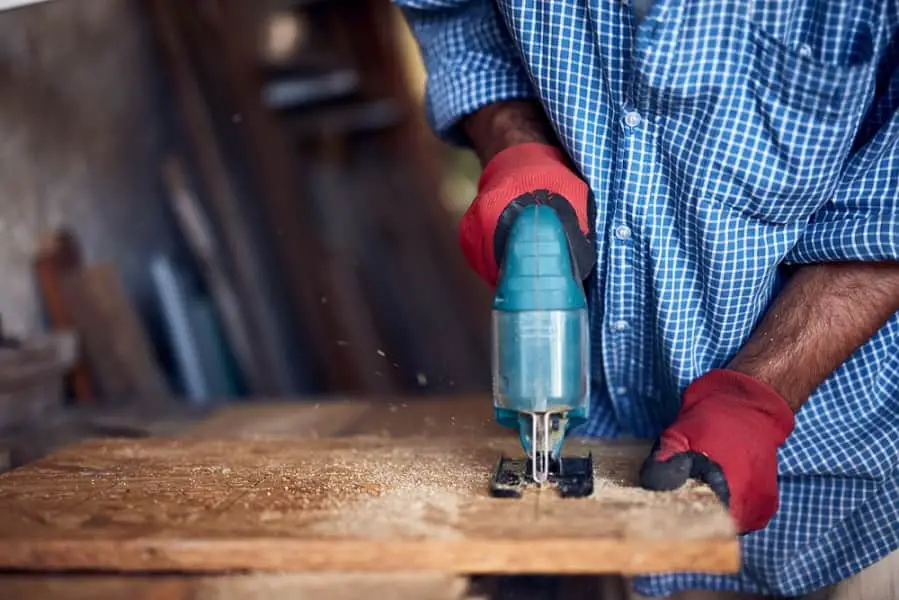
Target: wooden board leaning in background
{"x": 348, "y": 504}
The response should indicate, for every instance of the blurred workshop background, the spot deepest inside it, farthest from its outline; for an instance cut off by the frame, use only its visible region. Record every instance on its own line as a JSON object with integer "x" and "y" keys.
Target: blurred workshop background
{"x": 209, "y": 201}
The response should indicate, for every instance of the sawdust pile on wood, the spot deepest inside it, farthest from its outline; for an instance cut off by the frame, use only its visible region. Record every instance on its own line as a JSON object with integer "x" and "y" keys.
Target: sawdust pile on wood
{"x": 406, "y": 495}
{"x": 694, "y": 502}
{"x": 421, "y": 495}
{"x": 616, "y": 490}
{"x": 617, "y": 481}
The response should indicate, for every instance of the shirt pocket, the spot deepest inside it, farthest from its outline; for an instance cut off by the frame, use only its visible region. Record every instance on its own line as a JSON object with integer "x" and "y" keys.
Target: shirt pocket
{"x": 786, "y": 130}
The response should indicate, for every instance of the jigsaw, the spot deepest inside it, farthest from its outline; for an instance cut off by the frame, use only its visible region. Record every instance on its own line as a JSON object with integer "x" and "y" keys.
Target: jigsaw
{"x": 540, "y": 362}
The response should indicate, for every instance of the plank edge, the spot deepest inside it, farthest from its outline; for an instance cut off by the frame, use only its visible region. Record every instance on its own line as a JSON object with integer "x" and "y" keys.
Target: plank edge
{"x": 470, "y": 557}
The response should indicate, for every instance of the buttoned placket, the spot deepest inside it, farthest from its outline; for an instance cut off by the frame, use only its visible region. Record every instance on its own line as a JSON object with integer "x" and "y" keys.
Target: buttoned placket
{"x": 623, "y": 293}
{"x": 618, "y": 317}
{"x": 620, "y": 292}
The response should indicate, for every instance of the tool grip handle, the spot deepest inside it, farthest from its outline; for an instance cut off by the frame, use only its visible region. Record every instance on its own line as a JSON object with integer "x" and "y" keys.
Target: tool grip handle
{"x": 580, "y": 245}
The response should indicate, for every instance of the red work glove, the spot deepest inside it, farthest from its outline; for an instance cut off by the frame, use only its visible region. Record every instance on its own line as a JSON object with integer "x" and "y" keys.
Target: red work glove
{"x": 727, "y": 434}
{"x": 519, "y": 176}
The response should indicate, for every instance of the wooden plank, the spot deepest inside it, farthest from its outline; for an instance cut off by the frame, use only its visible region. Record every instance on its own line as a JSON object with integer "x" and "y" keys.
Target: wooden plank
{"x": 118, "y": 351}
{"x": 377, "y": 41}
{"x": 244, "y": 258}
{"x": 331, "y": 303}
{"x": 396, "y": 416}
{"x": 60, "y": 253}
{"x": 281, "y": 419}
{"x": 200, "y": 237}
{"x": 242, "y": 587}
{"x": 348, "y": 504}
{"x": 449, "y": 416}
{"x": 31, "y": 378}
{"x": 334, "y": 586}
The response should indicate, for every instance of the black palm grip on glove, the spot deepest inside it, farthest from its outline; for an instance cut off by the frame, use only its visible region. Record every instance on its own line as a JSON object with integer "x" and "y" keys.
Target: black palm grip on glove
{"x": 583, "y": 249}
{"x": 670, "y": 474}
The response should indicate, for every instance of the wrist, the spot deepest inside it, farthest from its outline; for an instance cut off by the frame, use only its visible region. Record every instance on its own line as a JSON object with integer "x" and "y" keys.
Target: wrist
{"x": 773, "y": 373}
{"x": 503, "y": 125}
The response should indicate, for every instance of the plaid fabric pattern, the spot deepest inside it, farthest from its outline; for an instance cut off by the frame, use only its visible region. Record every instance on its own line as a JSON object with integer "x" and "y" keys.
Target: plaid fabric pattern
{"x": 723, "y": 140}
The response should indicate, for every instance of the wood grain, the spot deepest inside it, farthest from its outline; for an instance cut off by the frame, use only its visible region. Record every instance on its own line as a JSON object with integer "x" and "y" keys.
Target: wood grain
{"x": 345, "y": 504}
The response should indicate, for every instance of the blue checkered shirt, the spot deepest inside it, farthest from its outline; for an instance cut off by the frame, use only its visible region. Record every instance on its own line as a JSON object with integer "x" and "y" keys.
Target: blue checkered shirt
{"x": 723, "y": 140}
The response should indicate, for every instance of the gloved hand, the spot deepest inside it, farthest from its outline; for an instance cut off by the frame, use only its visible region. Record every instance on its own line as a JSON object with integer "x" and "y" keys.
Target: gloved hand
{"x": 726, "y": 433}
{"x": 517, "y": 177}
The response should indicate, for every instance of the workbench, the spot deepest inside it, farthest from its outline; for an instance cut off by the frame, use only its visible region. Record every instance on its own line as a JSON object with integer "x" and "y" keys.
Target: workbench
{"x": 276, "y": 438}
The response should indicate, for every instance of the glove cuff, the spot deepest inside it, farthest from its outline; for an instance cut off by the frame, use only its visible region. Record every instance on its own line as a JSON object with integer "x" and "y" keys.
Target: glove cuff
{"x": 751, "y": 394}
{"x": 518, "y": 156}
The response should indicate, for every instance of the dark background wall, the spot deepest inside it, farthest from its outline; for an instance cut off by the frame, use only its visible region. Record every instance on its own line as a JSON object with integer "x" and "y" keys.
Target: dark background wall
{"x": 81, "y": 132}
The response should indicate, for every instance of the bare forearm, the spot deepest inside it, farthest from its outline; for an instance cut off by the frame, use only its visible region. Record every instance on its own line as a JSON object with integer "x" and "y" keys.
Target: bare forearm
{"x": 503, "y": 124}
{"x": 824, "y": 313}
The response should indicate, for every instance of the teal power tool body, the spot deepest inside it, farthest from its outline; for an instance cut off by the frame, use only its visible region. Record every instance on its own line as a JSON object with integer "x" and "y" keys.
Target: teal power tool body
{"x": 540, "y": 356}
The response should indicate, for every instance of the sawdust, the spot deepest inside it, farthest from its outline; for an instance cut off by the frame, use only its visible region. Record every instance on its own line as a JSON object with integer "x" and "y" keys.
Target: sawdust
{"x": 411, "y": 493}
{"x": 408, "y": 495}
{"x": 693, "y": 496}
{"x": 425, "y": 496}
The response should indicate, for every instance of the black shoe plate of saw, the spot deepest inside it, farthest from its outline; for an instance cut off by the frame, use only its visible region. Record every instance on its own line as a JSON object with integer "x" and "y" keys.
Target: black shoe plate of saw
{"x": 572, "y": 475}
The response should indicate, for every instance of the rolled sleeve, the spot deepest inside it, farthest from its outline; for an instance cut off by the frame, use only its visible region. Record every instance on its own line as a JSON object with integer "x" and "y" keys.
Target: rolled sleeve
{"x": 470, "y": 59}
{"x": 861, "y": 222}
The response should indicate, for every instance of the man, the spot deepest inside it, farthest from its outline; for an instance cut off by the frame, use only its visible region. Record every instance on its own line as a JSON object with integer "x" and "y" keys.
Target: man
{"x": 735, "y": 168}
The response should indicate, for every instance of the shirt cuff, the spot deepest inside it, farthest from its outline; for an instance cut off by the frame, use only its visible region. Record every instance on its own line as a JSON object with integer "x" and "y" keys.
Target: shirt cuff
{"x": 452, "y": 95}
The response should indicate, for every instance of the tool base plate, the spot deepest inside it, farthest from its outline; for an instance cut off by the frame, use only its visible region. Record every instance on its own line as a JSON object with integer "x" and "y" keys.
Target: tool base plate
{"x": 572, "y": 476}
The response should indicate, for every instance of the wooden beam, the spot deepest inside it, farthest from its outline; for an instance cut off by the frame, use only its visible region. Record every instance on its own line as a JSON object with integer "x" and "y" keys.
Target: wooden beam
{"x": 119, "y": 352}
{"x": 320, "y": 278}
{"x": 274, "y": 372}
{"x": 59, "y": 254}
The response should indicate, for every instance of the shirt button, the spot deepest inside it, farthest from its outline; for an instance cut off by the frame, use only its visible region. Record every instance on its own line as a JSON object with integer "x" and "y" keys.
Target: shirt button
{"x": 619, "y": 325}
{"x": 805, "y": 50}
{"x": 621, "y": 391}
{"x": 623, "y": 232}
{"x": 632, "y": 119}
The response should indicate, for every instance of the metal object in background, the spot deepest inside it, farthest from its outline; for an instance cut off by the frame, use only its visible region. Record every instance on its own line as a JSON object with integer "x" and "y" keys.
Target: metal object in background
{"x": 199, "y": 235}
{"x": 201, "y": 366}
{"x": 10, "y": 4}
{"x": 287, "y": 93}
